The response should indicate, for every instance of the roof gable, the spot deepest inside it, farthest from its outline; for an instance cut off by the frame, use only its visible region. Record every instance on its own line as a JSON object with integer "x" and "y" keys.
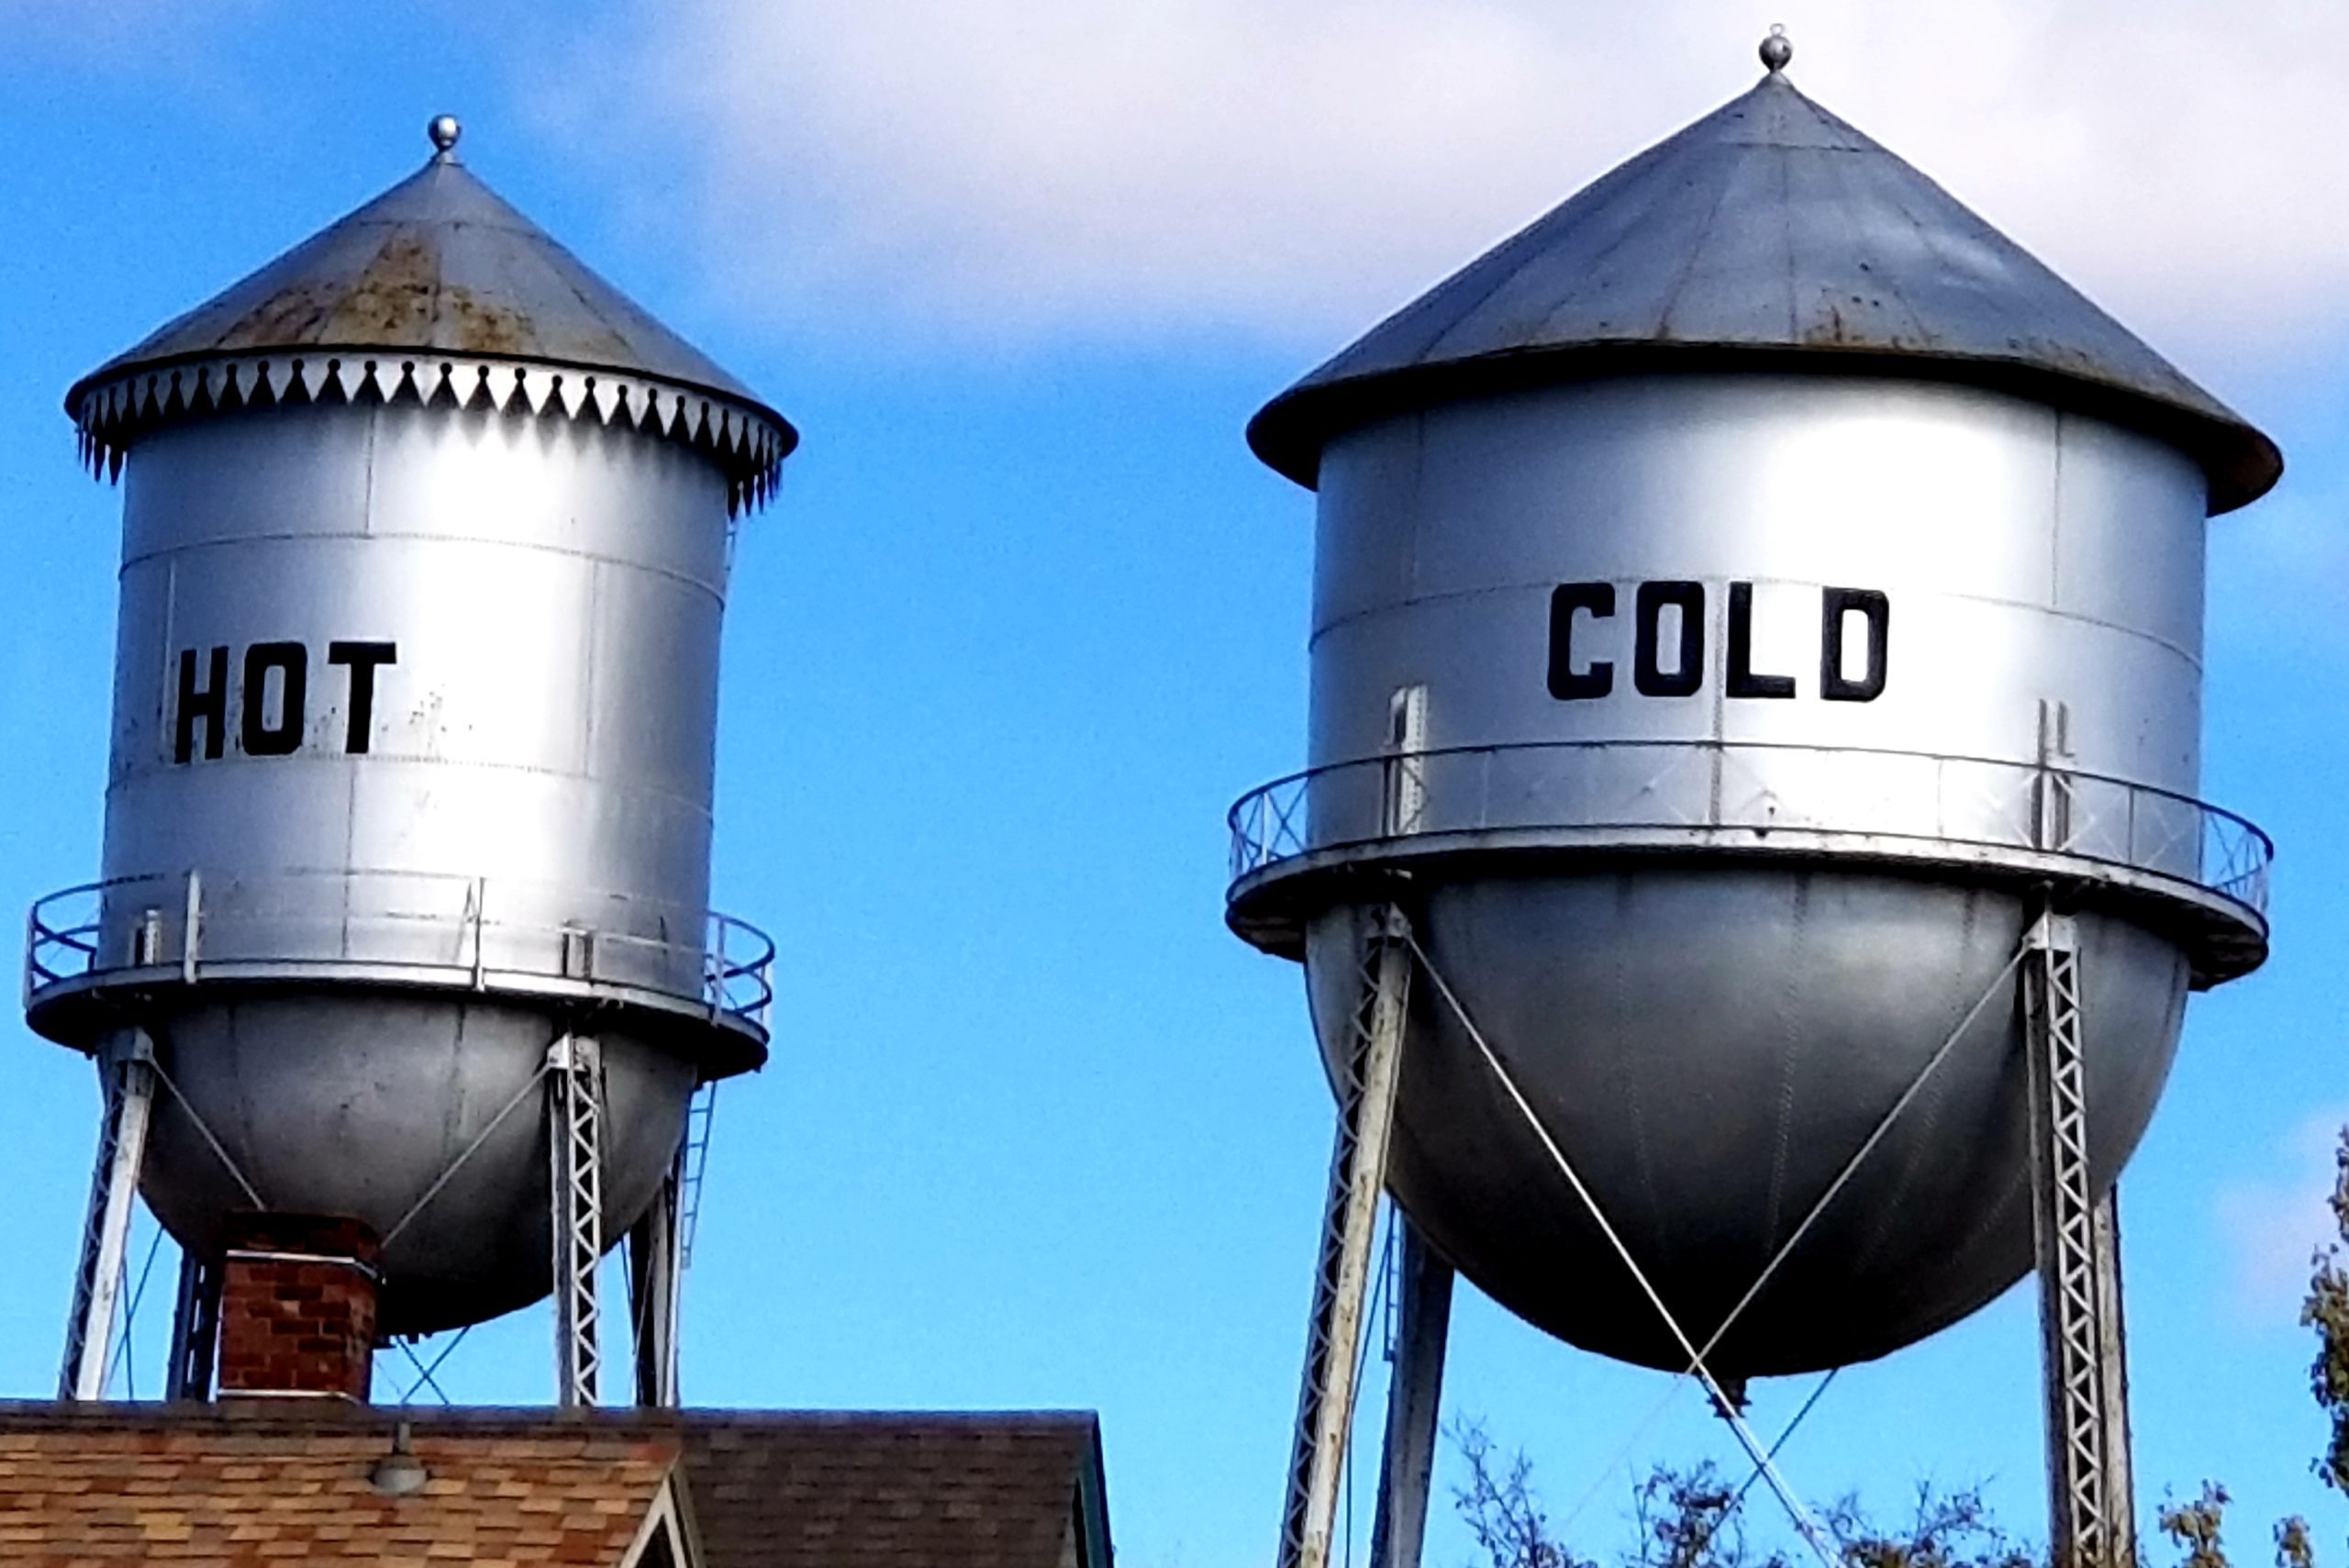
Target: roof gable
{"x": 665, "y": 1539}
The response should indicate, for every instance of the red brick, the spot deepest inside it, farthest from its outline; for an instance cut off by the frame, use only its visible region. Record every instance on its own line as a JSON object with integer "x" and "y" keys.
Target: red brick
{"x": 302, "y": 1321}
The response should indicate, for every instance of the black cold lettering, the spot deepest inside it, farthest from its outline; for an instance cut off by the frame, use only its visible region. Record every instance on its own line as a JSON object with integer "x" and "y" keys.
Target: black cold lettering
{"x": 363, "y": 660}
{"x": 1837, "y": 605}
{"x": 1597, "y": 679}
{"x": 208, "y": 703}
{"x": 1688, "y": 673}
{"x": 1742, "y": 680}
{"x": 291, "y": 663}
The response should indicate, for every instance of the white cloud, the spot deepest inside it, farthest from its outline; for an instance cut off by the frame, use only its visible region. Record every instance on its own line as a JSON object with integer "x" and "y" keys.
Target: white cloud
{"x": 1294, "y": 167}
{"x": 2274, "y": 1225}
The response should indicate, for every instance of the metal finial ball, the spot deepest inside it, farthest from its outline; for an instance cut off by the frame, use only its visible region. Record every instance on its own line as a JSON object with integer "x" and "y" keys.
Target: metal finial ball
{"x": 444, "y": 131}
{"x": 1777, "y": 49}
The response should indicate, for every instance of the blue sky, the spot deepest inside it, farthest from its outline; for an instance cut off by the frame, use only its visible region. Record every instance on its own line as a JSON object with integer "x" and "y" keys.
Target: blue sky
{"x": 1038, "y": 1132}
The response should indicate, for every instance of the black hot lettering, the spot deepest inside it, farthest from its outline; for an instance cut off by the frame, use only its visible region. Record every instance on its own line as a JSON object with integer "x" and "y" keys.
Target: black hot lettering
{"x": 290, "y": 661}
{"x": 1688, "y": 673}
{"x": 1836, "y": 604}
{"x": 363, "y": 659}
{"x": 1742, "y": 680}
{"x": 208, "y": 703}
{"x": 1566, "y": 682}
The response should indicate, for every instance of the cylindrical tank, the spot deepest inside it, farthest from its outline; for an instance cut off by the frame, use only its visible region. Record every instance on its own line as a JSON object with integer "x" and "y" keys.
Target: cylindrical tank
{"x": 425, "y": 550}
{"x": 1737, "y": 598}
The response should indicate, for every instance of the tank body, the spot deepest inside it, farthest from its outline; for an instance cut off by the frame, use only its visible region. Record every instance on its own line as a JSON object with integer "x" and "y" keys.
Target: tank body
{"x": 355, "y": 1101}
{"x": 1711, "y": 1048}
{"x": 527, "y": 613}
{"x": 1712, "y": 1044}
{"x": 529, "y": 730}
{"x": 2029, "y": 555}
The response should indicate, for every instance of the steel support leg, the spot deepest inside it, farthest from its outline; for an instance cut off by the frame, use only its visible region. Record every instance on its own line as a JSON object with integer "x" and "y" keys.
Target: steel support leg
{"x": 575, "y": 1180}
{"x": 1366, "y": 1082}
{"x": 2112, "y": 1351}
{"x": 1414, "y": 1399}
{"x": 128, "y": 1076}
{"x": 2092, "y": 1521}
{"x": 655, "y": 1274}
{"x": 195, "y": 1329}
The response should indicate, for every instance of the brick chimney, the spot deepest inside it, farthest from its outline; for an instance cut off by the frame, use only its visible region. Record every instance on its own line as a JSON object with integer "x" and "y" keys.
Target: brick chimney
{"x": 297, "y": 1307}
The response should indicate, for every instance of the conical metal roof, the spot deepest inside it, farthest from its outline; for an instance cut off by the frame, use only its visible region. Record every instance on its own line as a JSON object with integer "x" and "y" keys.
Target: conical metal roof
{"x": 436, "y": 289}
{"x": 1769, "y": 232}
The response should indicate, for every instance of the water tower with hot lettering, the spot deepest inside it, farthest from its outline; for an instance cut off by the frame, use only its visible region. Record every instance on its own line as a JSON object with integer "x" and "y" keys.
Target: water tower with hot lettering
{"x": 404, "y": 912}
{"x": 1750, "y": 872}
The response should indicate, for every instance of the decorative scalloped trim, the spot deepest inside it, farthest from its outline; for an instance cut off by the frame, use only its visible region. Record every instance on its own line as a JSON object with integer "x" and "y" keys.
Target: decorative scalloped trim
{"x": 747, "y": 445}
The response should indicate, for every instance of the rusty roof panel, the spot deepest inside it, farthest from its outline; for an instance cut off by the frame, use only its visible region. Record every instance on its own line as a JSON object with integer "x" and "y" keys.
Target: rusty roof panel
{"x": 440, "y": 264}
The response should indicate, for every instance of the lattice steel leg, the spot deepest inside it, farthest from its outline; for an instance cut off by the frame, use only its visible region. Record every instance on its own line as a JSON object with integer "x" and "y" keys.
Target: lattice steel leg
{"x": 195, "y": 1329}
{"x": 576, "y": 1179}
{"x": 130, "y": 1080}
{"x": 1367, "y": 1085}
{"x": 2113, "y": 1350}
{"x": 655, "y": 1277}
{"x": 1414, "y": 1399}
{"x": 2091, "y": 1507}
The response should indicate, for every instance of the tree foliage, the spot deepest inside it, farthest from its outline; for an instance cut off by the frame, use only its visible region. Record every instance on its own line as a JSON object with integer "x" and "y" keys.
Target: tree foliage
{"x": 2196, "y": 1526}
{"x": 2326, "y": 1310}
{"x": 1692, "y": 1518}
{"x": 1498, "y": 1502}
{"x": 1944, "y": 1529}
{"x": 2293, "y": 1547}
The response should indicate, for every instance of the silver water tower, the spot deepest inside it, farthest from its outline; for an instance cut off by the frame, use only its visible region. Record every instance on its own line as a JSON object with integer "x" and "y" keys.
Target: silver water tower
{"x": 403, "y": 910}
{"x": 1750, "y": 868}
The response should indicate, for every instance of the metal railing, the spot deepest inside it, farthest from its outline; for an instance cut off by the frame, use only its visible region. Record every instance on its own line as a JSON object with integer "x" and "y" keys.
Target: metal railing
{"x": 1918, "y": 799}
{"x": 738, "y": 969}
{"x": 478, "y": 931}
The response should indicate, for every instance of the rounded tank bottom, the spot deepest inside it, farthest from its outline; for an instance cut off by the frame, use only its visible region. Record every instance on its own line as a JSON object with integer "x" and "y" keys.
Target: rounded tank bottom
{"x": 354, "y": 1103}
{"x": 1709, "y": 1046}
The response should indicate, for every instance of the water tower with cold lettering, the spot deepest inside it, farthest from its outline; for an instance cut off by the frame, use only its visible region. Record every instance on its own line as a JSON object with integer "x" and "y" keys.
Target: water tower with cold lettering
{"x": 403, "y": 922}
{"x": 1750, "y": 870}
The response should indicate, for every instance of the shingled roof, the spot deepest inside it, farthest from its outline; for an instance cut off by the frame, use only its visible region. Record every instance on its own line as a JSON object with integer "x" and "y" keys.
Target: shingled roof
{"x": 924, "y": 1491}
{"x": 124, "y": 1486}
{"x": 232, "y": 1484}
